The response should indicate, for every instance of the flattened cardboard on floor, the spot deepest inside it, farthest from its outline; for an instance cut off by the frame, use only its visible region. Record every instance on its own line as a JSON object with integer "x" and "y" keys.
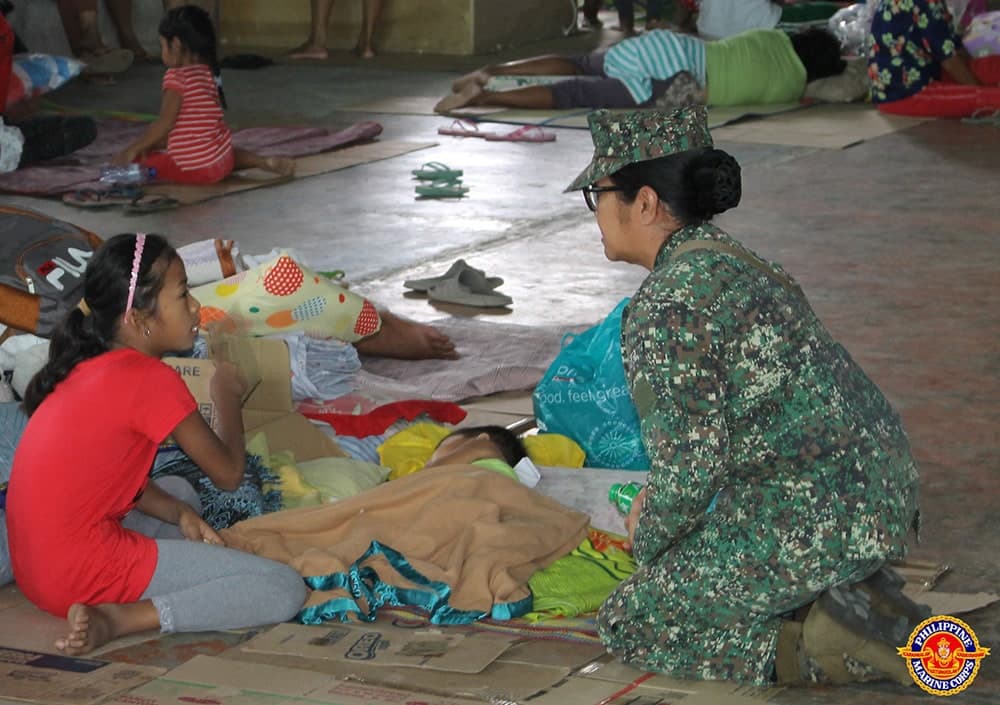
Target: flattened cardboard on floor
{"x": 384, "y": 645}
{"x": 500, "y": 680}
{"x": 618, "y": 672}
{"x": 269, "y": 408}
{"x": 206, "y": 679}
{"x": 62, "y": 680}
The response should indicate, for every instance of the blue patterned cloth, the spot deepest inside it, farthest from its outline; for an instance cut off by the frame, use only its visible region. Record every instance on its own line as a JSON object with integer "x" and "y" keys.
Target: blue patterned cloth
{"x": 910, "y": 39}
{"x": 222, "y": 509}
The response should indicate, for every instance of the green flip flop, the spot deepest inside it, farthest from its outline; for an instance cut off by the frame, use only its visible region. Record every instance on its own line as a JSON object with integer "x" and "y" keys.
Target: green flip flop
{"x": 436, "y": 171}
{"x": 442, "y": 189}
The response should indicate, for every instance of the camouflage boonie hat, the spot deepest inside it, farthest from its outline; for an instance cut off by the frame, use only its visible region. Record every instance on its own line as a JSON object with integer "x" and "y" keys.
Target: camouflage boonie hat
{"x": 621, "y": 139}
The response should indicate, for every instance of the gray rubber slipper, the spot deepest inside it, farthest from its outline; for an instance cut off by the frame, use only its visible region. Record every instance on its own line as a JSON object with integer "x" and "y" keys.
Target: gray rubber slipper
{"x": 453, "y": 291}
{"x": 475, "y": 279}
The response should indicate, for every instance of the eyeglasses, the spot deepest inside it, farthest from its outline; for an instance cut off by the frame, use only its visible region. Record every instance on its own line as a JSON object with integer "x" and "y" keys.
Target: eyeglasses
{"x": 590, "y": 195}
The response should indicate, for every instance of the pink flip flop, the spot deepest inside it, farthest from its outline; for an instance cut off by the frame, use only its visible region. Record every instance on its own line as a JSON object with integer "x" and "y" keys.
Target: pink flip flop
{"x": 463, "y": 128}
{"x": 528, "y": 133}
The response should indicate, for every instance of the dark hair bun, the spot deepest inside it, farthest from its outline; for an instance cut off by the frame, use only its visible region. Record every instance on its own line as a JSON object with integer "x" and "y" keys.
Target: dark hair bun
{"x": 714, "y": 177}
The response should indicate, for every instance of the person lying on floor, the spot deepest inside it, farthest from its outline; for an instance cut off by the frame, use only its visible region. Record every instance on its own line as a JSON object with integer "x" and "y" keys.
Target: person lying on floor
{"x": 492, "y": 447}
{"x": 917, "y": 65}
{"x": 665, "y": 68}
{"x": 98, "y": 410}
{"x": 284, "y": 296}
{"x": 190, "y": 142}
{"x": 747, "y": 403}
{"x": 46, "y": 136}
{"x": 460, "y": 538}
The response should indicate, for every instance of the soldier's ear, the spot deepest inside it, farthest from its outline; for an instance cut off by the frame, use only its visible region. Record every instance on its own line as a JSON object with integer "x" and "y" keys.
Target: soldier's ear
{"x": 647, "y": 203}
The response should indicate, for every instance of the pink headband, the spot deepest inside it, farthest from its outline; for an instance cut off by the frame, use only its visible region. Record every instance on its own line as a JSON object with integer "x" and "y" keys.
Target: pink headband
{"x": 140, "y": 242}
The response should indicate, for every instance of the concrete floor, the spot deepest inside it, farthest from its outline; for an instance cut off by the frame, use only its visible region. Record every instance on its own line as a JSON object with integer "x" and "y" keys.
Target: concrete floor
{"x": 894, "y": 241}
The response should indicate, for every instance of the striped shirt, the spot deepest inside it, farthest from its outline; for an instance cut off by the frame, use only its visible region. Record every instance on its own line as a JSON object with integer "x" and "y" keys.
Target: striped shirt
{"x": 200, "y": 137}
{"x": 659, "y": 55}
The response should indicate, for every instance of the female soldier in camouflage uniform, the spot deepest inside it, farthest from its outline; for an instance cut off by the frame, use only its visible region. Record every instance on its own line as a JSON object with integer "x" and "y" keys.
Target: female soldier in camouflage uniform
{"x": 778, "y": 470}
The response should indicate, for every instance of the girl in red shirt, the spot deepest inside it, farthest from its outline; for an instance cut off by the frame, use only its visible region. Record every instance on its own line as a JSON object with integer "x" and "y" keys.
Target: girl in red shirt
{"x": 191, "y": 126}
{"x": 99, "y": 409}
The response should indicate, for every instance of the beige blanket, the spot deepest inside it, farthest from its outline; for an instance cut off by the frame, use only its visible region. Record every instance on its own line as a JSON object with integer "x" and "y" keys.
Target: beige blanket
{"x": 481, "y": 533}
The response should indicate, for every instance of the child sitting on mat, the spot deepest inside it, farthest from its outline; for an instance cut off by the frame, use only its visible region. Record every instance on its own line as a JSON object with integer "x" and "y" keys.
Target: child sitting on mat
{"x": 99, "y": 409}
{"x": 199, "y": 147}
{"x": 666, "y": 69}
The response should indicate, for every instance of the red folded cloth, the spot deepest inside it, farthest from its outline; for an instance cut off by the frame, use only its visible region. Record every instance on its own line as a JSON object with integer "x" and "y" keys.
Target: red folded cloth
{"x": 382, "y": 417}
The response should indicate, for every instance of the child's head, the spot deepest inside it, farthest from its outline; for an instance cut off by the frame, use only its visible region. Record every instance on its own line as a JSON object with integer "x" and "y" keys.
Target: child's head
{"x": 186, "y": 32}
{"x": 104, "y": 318}
{"x": 820, "y": 52}
{"x": 466, "y": 445}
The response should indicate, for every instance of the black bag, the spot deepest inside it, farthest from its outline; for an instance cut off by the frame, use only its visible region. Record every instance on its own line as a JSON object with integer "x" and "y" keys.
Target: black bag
{"x": 41, "y": 275}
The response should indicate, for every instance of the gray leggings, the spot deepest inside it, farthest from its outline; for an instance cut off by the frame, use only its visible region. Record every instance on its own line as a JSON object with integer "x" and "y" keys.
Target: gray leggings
{"x": 197, "y": 587}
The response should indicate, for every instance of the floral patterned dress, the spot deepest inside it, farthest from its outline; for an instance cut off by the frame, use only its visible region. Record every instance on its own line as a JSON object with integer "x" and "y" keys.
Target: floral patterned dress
{"x": 910, "y": 40}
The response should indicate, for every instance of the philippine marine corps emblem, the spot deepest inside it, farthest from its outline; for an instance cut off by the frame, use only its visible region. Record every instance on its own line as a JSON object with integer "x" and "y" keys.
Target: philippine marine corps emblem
{"x": 943, "y": 655}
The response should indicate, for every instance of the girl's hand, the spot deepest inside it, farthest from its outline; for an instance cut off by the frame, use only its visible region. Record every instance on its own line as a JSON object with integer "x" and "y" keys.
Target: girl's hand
{"x": 227, "y": 383}
{"x": 632, "y": 520}
{"x": 125, "y": 157}
{"x": 194, "y": 528}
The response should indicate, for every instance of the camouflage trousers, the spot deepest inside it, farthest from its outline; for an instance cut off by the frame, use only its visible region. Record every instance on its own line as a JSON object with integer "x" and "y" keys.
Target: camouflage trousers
{"x": 709, "y": 607}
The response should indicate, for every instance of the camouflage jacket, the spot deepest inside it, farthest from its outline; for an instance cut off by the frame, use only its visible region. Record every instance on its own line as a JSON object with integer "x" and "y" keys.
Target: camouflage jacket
{"x": 740, "y": 389}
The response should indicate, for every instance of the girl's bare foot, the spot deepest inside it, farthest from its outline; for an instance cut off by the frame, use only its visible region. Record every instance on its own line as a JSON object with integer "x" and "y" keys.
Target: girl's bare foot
{"x": 89, "y": 628}
{"x": 283, "y": 166}
{"x": 93, "y": 626}
{"x": 479, "y": 76}
{"x": 309, "y": 51}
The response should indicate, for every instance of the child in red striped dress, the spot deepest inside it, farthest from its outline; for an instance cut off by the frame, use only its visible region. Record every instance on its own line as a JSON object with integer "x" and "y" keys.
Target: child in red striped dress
{"x": 199, "y": 147}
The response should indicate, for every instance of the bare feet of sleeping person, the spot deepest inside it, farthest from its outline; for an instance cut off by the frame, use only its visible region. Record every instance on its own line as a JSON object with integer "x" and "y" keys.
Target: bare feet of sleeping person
{"x": 407, "y": 340}
{"x": 91, "y": 627}
{"x": 309, "y": 51}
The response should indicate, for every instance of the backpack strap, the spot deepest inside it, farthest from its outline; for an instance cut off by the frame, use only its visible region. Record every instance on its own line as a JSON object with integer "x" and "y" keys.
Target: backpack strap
{"x": 19, "y": 309}
{"x": 738, "y": 253}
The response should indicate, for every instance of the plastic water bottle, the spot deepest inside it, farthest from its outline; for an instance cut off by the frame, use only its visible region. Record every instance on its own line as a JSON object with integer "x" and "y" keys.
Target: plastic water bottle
{"x": 622, "y": 494}
{"x": 131, "y": 174}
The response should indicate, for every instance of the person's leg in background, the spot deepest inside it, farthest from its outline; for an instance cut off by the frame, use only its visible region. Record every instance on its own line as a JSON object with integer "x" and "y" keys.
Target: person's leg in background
{"x": 315, "y": 46}
{"x": 626, "y": 16}
{"x": 590, "y": 9}
{"x": 79, "y": 19}
{"x": 371, "y": 10}
{"x": 656, "y": 11}
{"x": 470, "y": 86}
{"x": 121, "y": 16}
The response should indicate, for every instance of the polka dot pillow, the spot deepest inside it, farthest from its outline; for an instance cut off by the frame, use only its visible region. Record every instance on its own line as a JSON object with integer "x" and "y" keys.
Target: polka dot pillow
{"x": 282, "y": 296}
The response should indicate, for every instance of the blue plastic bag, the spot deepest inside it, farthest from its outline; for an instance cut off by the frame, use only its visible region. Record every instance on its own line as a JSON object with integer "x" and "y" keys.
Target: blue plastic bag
{"x": 584, "y": 395}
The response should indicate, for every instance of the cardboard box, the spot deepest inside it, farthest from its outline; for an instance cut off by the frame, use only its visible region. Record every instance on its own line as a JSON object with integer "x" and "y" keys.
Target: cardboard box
{"x": 441, "y": 661}
{"x": 62, "y": 680}
{"x": 269, "y": 408}
{"x": 206, "y": 679}
{"x": 434, "y": 648}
